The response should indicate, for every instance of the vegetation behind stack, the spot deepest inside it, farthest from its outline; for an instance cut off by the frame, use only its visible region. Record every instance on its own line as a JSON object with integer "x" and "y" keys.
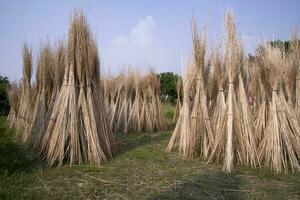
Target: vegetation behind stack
{"x": 168, "y": 86}
{"x": 4, "y": 103}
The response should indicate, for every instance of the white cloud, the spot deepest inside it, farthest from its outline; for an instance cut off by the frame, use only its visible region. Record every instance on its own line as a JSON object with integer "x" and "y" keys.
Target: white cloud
{"x": 138, "y": 48}
{"x": 140, "y": 35}
{"x": 120, "y": 41}
{"x": 143, "y": 32}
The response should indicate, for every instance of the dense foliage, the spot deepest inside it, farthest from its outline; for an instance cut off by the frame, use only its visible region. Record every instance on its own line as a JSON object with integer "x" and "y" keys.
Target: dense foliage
{"x": 168, "y": 82}
{"x": 4, "y": 105}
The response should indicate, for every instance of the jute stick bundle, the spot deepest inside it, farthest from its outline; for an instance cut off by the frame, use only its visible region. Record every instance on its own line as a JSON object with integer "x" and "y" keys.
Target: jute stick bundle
{"x": 134, "y": 102}
{"x": 279, "y": 148}
{"x": 193, "y": 135}
{"x": 234, "y": 138}
{"x": 178, "y": 101}
{"x": 14, "y": 94}
{"x": 39, "y": 121}
{"x": 78, "y": 130}
{"x": 25, "y": 105}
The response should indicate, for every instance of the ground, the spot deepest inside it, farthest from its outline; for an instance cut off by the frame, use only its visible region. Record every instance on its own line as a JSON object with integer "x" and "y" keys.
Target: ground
{"x": 140, "y": 170}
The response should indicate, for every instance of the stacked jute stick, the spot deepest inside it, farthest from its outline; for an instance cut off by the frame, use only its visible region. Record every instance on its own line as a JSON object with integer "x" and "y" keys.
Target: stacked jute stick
{"x": 64, "y": 116}
{"x": 178, "y": 101}
{"x": 193, "y": 133}
{"x": 247, "y": 111}
{"x": 69, "y": 114}
{"x": 134, "y": 103}
{"x": 234, "y": 110}
{"x": 20, "y": 96}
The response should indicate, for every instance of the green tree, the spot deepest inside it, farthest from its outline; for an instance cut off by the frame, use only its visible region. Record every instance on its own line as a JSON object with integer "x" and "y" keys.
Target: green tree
{"x": 168, "y": 82}
{"x": 4, "y": 104}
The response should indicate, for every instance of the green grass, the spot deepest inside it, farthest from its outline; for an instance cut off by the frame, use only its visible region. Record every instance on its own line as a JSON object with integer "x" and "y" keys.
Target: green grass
{"x": 140, "y": 170}
{"x": 169, "y": 110}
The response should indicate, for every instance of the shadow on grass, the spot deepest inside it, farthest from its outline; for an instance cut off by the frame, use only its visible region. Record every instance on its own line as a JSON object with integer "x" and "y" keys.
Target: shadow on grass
{"x": 131, "y": 141}
{"x": 14, "y": 157}
{"x": 209, "y": 185}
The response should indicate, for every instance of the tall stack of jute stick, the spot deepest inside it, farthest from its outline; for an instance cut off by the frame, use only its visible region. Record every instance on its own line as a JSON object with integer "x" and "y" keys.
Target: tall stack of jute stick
{"x": 63, "y": 116}
{"x": 246, "y": 111}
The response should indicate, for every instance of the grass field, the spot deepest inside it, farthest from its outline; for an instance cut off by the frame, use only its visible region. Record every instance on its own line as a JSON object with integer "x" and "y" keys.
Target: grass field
{"x": 140, "y": 170}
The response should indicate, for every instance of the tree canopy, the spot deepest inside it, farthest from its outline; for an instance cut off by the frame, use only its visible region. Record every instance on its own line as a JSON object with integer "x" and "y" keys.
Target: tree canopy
{"x": 168, "y": 82}
{"x": 4, "y": 105}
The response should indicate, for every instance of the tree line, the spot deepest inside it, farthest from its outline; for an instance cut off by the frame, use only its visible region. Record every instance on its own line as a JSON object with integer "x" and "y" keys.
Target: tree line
{"x": 4, "y": 104}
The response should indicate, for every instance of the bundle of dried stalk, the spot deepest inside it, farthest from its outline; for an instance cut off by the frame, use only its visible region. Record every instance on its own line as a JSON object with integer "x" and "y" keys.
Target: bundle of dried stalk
{"x": 295, "y": 62}
{"x": 255, "y": 85}
{"x": 235, "y": 139}
{"x": 14, "y": 93}
{"x": 135, "y": 117}
{"x": 279, "y": 148}
{"x": 151, "y": 110}
{"x": 219, "y": 125}
{"x": 178, "y": 106}
{"x": 289, "y": 77}
{"x": 218, "y": 109}
{"x": 108, "y": 91}
{"x": 213, "y": 74}
{"x": 78, "y": 130}
{"x": 182, "y": 129}
{"x": 193, "y": 134}
{"x": 25, "y": 106}
{"x": 56, "y": 74}
{"x": 118, "y": 120}
{"x": 134, "y": 103}
{"x": 39, "y": 120}
{"x": 258, "y": 91}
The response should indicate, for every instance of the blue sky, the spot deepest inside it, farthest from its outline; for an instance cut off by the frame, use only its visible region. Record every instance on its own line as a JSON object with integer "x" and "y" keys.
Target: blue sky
{"x": 138, "y": 33}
